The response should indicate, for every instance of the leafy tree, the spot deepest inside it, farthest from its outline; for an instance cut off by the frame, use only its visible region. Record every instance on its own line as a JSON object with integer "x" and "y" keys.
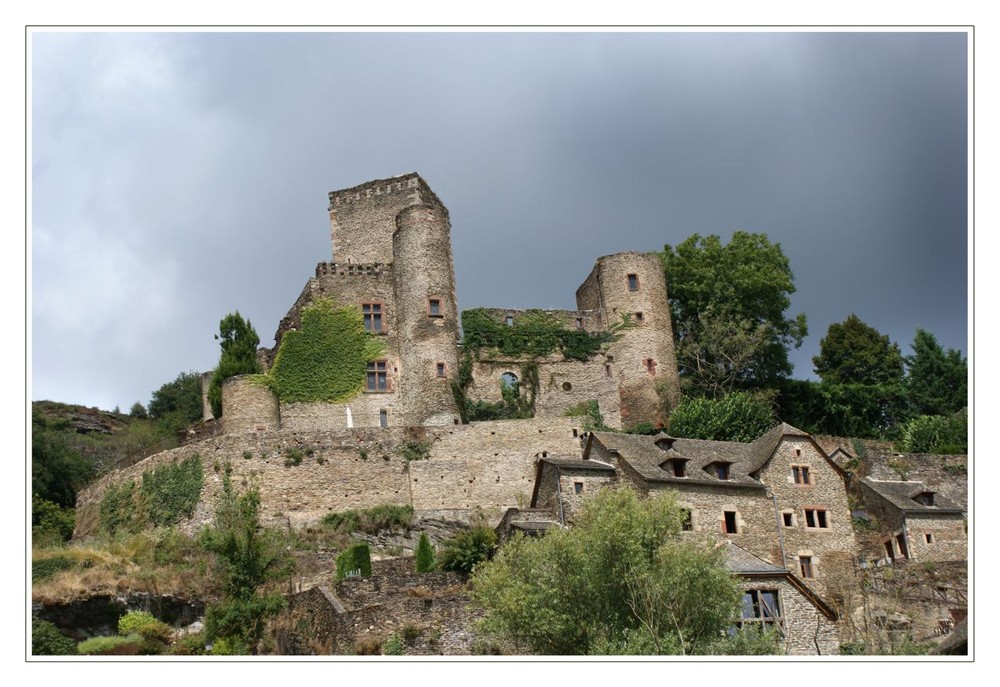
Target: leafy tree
{"x": 620, "y": 581}
{"x": 177, "y": 404}
{"x": 936, "y": 434}
{"x": 747, "y": 283}
{"x": 425, "y": 554}
{"x": 937, "y": 380}
{"x": 238, "y": 341}
{"x": 248, "y": 558}
{"x": 47, "y": 640}
{"x": 854, "y": 353}
{"x": 50, "y": 524}
{"x": 740, "y": 416}
{"x": 847, "y": 410}
{"x": 138, "y": 411}
{"x": 57, "y": 471}
{"x": 356, "y": 557}
{"x": 465, "y": 551}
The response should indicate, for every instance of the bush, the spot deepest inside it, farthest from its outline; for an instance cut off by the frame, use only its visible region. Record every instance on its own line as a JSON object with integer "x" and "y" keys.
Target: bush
{"x": 393, "y": 646}
{"x": 293, "y": 457}
{"x": 371, "y": 521}
{"x": 145, "y": 625}
{"x": 737, "y": 417}
{"x": 50, "y": 524}
{"x": 425, "y": 554}
{"x": 357, "y": 557}
{"x": 189, "y": 645}
{"x": 111, "y": 646}
{"x": 463, "y": 552}
{"x": 47, "y": 640}
{"x": 44, "y": 568}
{"x": 935, "y": 434}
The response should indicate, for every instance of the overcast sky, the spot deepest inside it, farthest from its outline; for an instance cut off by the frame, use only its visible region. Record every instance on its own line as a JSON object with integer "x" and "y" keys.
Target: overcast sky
{"x": 177, "y": 177}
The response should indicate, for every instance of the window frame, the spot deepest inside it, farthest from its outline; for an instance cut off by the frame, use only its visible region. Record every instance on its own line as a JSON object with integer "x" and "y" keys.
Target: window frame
{"x": 725, "y": 522}
{"x": 371, "y": 315}
{"x": 758, "y": 615}
{"x": 632, "y": 281}
{"x": 435, "y": 306}
{"x": 807, "y": 567}
{"x": 802, "y": 475}
{"x": 381, "y": 384}
{"x": 441, "y": 370}
{"x": 821, "y": 518}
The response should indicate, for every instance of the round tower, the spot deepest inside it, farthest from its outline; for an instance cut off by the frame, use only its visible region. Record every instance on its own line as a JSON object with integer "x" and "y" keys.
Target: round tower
{"x": 248, "y": 407}
{"x": 427, "y": 314}
{"x": 632, "y": 286}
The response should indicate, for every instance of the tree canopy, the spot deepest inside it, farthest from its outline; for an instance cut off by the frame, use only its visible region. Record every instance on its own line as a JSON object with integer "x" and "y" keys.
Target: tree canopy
{"x": 719, "y": 292}
{"x": 739, "y": 416}
{"x": 619, "y": 582}
{"x": 854, "y": 353}
{"x": 937, "y": 382}
{"x": 238, "y": 341}
{"x": 177, "y": 404}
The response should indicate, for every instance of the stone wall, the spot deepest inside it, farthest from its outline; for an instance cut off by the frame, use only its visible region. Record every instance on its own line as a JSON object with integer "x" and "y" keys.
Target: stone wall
{"x": 948, "y": 540}
{"x": 248, "y": 406}
{"x": 482, "y": 466}
{"x": 563, "y": 489}
{"x": 947, "y": 475}
{"x": 807, "y": 631}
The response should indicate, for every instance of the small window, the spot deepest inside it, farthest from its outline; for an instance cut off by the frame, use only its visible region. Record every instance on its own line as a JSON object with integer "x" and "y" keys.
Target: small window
{"x": 901, "y": 543}
{"x": 729, "y": 522}
{"x": 440, "y": 369}
{"x": 607, "y": 370}
{"x": 816, "y": 517}
{"x": 788, "y": 519}
{"x": 928, "y": 538}
{"x": 579, "y": 323}
{"x": 679, "y": 468}
{"x": 925, "y": 498}
{"x": 434, "y": 307}
{"x": 372, "y": 313}
{"x": 798, "y": 453}
{"x": 633, "y": 282}
{"x": 577, "y": 487}
{"x": 650, "y": 365}
{"x": 377, "y": 379}
{"x": 806, "y": 567}
{"x": 720, "y": 470}
{"x": 687, "y": 520}
{"x": 800, "y": 473}
{"x": 509, "y": 320}
{"x": 638, "y": 317}
{"x": 383, "y": 418}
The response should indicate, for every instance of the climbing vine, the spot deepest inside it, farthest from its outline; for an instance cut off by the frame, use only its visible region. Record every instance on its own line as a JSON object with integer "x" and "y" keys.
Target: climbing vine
{"x": 534, "y": 334}
{"x": 326, "y": 359}
{"x": 167, "y": 495}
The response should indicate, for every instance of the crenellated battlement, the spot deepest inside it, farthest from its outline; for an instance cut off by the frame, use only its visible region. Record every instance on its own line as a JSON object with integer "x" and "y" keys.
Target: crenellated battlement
{"x": 405, "y": 183}
{"x": 331, "y": 269}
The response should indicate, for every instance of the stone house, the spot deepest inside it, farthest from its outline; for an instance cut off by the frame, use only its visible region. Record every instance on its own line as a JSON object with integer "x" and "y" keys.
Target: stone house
{"x": 778, "y": 497}
{"x": 916, "y": 522}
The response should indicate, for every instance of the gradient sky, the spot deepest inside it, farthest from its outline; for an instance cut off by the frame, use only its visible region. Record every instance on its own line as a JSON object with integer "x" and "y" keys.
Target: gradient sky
{"x": 177, "y": 177}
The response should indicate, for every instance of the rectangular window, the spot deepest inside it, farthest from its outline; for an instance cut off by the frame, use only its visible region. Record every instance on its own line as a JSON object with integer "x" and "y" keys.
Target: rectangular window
{"x": 440, "y": 369}
{"x": 373, "y": 317}
{"x": 650, "y": 365}
{"x": 801, "y": 474}
{"x": 383, "y": 418}
{"x": 788, "y": 519}
{"x": 638, "y": 317}
{"x": 806, "y": 567}
{"x": 607, "y": 370}
{"x": 377, "y": 379}
{"x": 928, "y": 538}
{"x": 578, "y": 487}
{"x": 633, "y": 282}
{"x": 509, "y": 320}
{"x": 679, "y": 468}
{"x": 687, "y": 520}
{"x": 434, "y": 307}
{"x": 729, "y": 522}
{"x": 760, "y": 607}
{"x": 901, "y": 543}
{"x": 816, "y": 517}
{"x": 720, "y": 470}
{"x": 579, "y": 323}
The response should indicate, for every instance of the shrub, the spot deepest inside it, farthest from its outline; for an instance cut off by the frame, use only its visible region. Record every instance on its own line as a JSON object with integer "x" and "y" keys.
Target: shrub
{"x": 145, "y": 625}
{"x": 367, "y": 646}
{"x": 371, "y": 521}
{"x": 463, "y": 552}
{"x": 409, "y": 632}
{"x": 415, "y": 450}
{"x": 425, "y": 554}
{"x": 935, "y": 434}
{"x": 170, "y": 492}
{"x": 393, "y": 646}
{"x": 357, "y": 557}
{"x": 189, "y": 645}
{"x": 111, "y": 646}
{"x": 737, "y": 417}
{"x": 293, "y": 456}
{"x": 50, "y": 524}
{"x": 47, "y": 640}
{"x": 44, "y": 568}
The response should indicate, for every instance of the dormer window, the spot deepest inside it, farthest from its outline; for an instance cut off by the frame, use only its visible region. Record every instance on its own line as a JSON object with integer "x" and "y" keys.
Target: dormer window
{"x": 665, "y": 443}
{"x": 925, "y": 498}
{"x": 675, "y": 466}
{"x": 720, "y": 470}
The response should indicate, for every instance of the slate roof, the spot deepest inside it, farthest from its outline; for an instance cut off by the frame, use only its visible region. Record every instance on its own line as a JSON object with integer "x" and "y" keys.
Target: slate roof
{"x": 739, "y": 560}
{"x": 578, "y": 464}
{"x": 900, "y": 495}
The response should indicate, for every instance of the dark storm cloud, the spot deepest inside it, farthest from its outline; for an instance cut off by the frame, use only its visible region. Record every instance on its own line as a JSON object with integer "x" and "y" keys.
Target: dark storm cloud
{"x": 177, "y": 177}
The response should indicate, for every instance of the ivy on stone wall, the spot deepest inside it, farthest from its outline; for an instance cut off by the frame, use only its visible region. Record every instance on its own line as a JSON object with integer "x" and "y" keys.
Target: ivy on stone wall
{"x": 533, "y": 334}
{"x": 167, "y": 495}
{"x": 325, "y": 360}
{"x": 514, "y": 405}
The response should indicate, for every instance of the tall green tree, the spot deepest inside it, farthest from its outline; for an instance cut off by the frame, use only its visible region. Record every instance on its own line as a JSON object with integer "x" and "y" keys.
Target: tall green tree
{"x": 619, "y": 582}
{"x": 747, "y": 282}
{"x": 239, "y": 342}
{"x": 854, "y": 353}
{"x": 937, "y": 381}
{"x": 177, "y": 404}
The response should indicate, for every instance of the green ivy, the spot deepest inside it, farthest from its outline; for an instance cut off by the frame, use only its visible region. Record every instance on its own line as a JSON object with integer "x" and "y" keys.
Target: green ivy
{"x": 325, "y": 360}
{"x": 534, "y": 334}
{"x": 357, "y": 557}
{"x": 166, "y": 496}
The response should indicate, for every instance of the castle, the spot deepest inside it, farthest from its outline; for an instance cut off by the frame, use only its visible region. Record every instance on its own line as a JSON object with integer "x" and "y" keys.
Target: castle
{"x": 780, "y": 502}
{"x": 392, "y": 259}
